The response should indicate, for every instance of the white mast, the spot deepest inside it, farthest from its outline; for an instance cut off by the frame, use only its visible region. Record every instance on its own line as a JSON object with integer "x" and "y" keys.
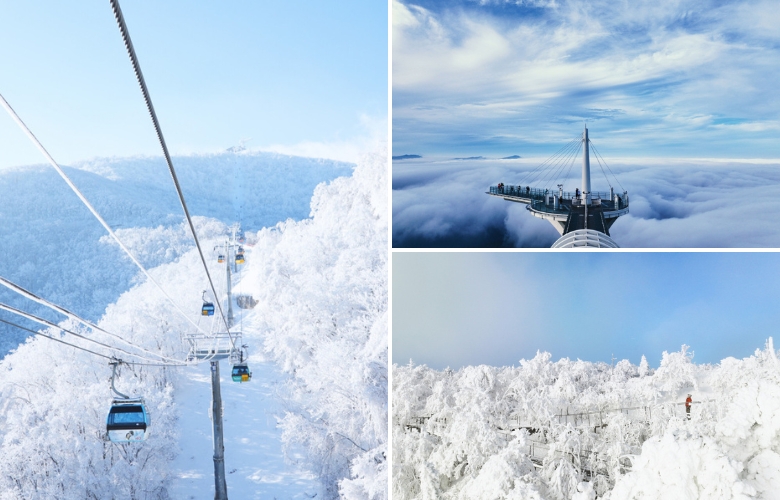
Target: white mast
{"x": 585, "y": 168}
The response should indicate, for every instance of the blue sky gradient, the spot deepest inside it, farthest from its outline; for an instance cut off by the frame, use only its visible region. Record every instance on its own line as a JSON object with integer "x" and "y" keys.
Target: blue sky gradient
{"x": 288, "y": 76}
{"x": 457, "y": 309}
{"x": 653, "y": 78}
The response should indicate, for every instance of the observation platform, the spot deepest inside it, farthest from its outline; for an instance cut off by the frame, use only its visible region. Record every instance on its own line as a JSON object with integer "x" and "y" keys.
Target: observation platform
{"x": 568, "y": 211}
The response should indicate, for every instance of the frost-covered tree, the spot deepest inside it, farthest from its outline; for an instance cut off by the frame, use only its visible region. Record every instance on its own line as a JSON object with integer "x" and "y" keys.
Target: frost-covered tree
{"x": 625, "y": 429}
{"x": 676, "y": 371}
{"x": 321, "y": 286}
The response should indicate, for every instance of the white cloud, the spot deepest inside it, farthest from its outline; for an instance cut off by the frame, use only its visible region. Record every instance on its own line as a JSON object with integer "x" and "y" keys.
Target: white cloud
{"x": 461, "y": 71}
{"x": 696, "y": 203}
{"x": 349, "y": 150}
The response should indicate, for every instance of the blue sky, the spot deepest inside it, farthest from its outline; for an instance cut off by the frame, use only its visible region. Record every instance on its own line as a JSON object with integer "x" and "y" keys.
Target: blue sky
{"x": 456, "y": 309}
{"x": 653, "y": 78}
{"x": 296, "y": 77}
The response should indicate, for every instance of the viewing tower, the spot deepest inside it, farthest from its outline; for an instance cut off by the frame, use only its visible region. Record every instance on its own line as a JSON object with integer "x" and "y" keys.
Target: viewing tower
{"x": 582, "y": 217}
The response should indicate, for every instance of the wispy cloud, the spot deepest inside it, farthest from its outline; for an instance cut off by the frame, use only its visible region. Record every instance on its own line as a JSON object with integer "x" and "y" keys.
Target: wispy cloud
{"x": 693, "y": 78}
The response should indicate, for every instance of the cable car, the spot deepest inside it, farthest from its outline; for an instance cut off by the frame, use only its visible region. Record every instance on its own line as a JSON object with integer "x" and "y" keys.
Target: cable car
{"x": 127, "y": 421}
{"x": 241, "y": 239}
{"x": 240, "y": 250}
{"x": 221, "y": 259}
{"x": 239, "y": 258}
{"x": 241, "y": 373}
{"x": 208, "y": 309}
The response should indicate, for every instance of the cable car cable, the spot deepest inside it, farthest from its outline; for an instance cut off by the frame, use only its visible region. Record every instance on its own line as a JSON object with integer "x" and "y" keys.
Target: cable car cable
{"x": 55, "y": 339}
{"x": 86, "y": 202}
{"x": 150, "y": 107}
{"x": 28, "y": 294}
{"x": 52, "y": 325}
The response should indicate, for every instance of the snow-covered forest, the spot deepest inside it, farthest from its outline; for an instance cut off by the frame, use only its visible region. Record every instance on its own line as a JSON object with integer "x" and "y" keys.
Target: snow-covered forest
{"x": 580, "y": 430}
{"x": 316, "y": 262}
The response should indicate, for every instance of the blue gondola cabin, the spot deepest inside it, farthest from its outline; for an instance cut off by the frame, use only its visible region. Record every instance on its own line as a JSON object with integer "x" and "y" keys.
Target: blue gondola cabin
{"x": 127, "y": 421}
{"x": 241, "y": 373}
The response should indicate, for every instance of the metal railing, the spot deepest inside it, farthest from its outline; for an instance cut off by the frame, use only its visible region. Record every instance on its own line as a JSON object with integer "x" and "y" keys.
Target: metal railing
{"x": 541, "y": 198}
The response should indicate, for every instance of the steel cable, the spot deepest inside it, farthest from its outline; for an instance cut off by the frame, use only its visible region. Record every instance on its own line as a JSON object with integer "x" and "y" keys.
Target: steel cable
{"x": 86, "y": 202}
{"x": 158, "y": 130}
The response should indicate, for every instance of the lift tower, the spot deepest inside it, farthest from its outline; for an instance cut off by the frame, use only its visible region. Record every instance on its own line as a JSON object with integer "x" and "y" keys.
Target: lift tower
{"x": 220, "y": 484}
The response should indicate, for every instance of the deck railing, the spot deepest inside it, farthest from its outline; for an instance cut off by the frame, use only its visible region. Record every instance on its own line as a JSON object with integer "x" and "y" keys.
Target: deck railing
{"x": 541, "y": 202}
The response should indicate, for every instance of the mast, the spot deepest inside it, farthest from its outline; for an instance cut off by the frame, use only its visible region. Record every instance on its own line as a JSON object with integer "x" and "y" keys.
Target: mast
{"x": 585, "y": 168}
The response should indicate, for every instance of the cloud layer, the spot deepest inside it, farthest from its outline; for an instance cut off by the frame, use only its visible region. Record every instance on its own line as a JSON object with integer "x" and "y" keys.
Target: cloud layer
{"x": 674, "y": 203}
{"x": 657, "y": 78}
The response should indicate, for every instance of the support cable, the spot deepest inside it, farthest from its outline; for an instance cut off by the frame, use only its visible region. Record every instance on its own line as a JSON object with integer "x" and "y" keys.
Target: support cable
{"x": 86, "y": 202}
{"x": 600, "y": 165}
{"x": 26, "y": 293}
{"x": 562, "y": 165}
{"x": 554, "y": 167}
{"x": 55, "y": 339}
{"x": 527, "y": 176}
{"x": 150, "y": 107}
{"x": 555, "y": 161}
{"x": 605, "y": 163}
{"x": 52, "y": 325}
{"x": 531, "y": 177}
{"x": 572, "y": 162}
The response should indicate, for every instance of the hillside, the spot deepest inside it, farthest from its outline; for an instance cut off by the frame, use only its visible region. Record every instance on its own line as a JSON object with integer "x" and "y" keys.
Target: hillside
{"x": 318, "y": 345}
{"x": 51, "y": 243}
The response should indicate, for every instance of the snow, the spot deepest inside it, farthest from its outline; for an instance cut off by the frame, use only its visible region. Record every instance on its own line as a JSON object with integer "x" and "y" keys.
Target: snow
{"x": 730, "y": 447}
{"x": 313, "y": 420}
{"x": 254, "y": 462}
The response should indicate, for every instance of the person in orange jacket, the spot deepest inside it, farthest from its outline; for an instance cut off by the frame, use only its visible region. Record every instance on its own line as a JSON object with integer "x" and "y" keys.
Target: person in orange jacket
{"x": 688, "y": 402}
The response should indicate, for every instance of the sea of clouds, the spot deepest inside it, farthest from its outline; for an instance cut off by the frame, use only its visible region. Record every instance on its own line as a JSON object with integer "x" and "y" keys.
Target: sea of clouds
{"x": 680, "y": 203}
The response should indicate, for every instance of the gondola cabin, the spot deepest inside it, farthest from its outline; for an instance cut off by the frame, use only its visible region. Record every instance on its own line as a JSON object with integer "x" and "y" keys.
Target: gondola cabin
{"x": 241, "y": 373}
{"x": 127, "y": 421}
{"x": 208, "y": 309}
{"x": 221, "y": 259}
{"x": 239, "y": 258}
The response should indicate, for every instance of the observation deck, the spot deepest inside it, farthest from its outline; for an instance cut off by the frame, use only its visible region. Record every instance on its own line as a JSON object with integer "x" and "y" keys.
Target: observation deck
{"x": 583, "y": 211}
{"x": 566, "y": 209}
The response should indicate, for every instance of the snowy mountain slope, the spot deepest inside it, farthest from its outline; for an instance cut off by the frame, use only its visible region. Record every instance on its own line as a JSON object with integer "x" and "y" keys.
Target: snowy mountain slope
{"x": 54, "y": 399}
{"x": 52, "y": 245}
{"x": 466, "y": 446}
{"x": 322, "y": 291}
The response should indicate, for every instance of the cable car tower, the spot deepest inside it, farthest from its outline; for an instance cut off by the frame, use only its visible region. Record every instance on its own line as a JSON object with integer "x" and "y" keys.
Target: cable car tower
{"x": 582, "y": 217}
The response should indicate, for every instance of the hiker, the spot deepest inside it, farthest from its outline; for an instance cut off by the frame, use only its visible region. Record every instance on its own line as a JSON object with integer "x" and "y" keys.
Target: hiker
{"x": 688, "y": 402}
